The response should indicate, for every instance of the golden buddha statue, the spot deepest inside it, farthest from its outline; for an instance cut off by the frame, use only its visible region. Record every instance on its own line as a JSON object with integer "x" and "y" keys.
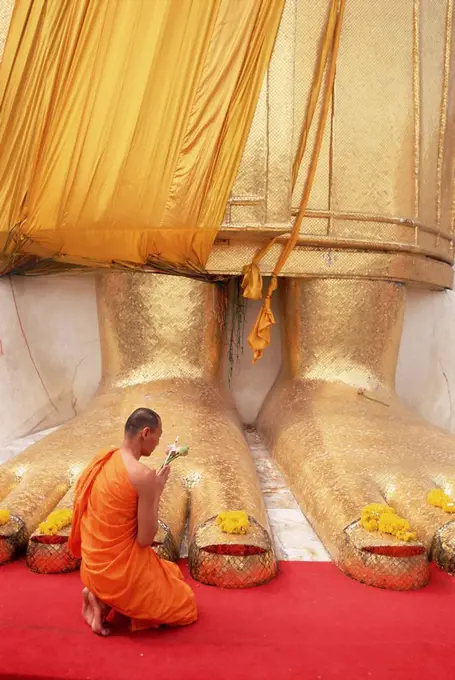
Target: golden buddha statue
{"x": 380, "y": 219}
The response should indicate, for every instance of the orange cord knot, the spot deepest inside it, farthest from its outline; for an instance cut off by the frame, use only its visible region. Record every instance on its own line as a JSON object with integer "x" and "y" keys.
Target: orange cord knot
{"x": 259, "y": 338}
{"x": 252, "y": 281}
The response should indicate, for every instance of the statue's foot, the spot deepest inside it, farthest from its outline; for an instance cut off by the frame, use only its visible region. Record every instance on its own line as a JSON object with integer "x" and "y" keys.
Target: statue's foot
{"x": 161, "y": 340}
{"x": 344, "y": 440}
{"x": 218, "y": 475}
{"x": 341, "y": 449}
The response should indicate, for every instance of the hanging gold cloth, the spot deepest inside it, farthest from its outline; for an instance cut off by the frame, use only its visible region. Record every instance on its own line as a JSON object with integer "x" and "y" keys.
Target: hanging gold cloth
{"x": 259, "y": 338}
{"x": 122, "y": 125}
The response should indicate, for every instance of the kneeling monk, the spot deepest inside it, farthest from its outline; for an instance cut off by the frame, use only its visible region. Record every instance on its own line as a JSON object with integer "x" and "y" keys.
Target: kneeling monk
{"x": 115, "y": 520}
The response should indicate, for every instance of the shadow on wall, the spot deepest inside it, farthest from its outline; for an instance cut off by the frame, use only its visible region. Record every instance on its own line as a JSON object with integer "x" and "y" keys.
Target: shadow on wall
{"x": 250, "y": 383}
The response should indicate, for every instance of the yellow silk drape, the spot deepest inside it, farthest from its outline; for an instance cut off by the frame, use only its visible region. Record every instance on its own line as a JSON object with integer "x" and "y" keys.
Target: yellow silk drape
{"x": 122, "y": 125}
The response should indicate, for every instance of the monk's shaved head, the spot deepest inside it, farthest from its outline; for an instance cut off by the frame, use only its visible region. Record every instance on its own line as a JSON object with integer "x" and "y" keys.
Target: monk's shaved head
{"x": 140, "y": 418}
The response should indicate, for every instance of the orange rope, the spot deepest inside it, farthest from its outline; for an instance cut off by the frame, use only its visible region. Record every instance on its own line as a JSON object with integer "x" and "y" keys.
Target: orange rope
{"x": 259, "y": 337}
{"x": 315, "y": 91}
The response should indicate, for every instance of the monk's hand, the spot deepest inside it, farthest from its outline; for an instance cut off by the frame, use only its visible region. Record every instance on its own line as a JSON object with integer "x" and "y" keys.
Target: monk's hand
{"x": 162, "y": 477}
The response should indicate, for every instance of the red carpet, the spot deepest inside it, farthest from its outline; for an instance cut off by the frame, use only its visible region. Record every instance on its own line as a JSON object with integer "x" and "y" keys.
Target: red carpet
{"x": 311, "y": 623}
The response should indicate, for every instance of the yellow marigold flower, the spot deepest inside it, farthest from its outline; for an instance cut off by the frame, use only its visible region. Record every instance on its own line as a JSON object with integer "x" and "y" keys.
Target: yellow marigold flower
{"x": 233, "y": 522}
{"x": 377, "y": 517}
{"x": 390, "y": 523}
{"x": 377, "y": 508}
{"x": 4, "y": 517}
{"x": 48, "y": 528}
{"x": 369, "y": 524}
{"x": 369, "y": 517}
{"x": 406, "y": 536}
{"x": 439, "y": 499}
{"x": 57, "y": 520}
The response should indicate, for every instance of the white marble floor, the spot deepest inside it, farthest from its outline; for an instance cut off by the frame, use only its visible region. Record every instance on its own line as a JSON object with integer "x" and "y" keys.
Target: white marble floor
{"x": 292, "y": 534}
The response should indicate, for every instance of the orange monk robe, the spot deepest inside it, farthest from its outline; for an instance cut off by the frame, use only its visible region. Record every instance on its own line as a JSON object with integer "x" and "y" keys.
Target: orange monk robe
{"x": 131, "y": 579}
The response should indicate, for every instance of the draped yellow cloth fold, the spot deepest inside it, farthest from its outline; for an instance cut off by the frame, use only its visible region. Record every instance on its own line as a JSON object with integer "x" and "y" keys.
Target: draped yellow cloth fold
{"x": 123, "y": 122}
{"x": 259, "y": 338}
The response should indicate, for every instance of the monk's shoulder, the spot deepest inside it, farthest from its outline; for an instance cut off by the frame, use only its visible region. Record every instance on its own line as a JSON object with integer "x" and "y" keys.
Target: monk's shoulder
{"x": 142, "y": 477}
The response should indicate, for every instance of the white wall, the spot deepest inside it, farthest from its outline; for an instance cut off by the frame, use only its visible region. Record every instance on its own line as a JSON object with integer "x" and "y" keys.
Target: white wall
{"x": 49, "y": 351}
{"x": 50, "y": 358}
{"x": 426, "y": 366}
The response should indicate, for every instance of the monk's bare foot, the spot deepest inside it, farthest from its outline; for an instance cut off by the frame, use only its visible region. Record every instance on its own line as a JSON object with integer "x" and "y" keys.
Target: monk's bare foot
{"x": 99, "y": 611}
{"x": 87, "y": 610}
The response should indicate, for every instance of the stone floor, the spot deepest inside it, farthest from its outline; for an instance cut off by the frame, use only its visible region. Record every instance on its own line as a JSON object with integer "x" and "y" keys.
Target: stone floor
{"x": 293, "y": 536}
